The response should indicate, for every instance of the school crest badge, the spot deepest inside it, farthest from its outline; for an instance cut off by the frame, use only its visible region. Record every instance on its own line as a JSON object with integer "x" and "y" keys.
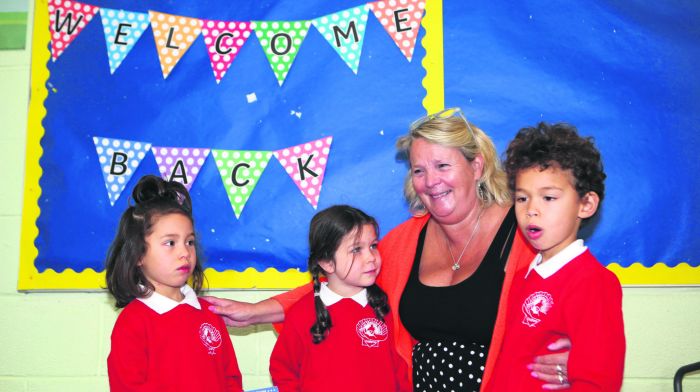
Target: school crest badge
{"x": 535, "y": 306}
{"x": 371, "y": 331}
{"x": 210, "y": 336}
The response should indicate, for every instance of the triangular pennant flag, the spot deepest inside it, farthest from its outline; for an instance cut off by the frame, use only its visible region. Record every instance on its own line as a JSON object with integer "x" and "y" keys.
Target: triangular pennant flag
{"x": 345, "y": 32}
{"x": 306, "y": 165}
{"x": 119, "y": 159}
{"x": 122, "y": 30}
{"x": 224, "y": 40}
{"x": 66, "y": 20}
{"x": 401, "y": 19}
{"x": 240, "y": 172}
{"x": 281, "y": 41}
{"x": 174, "y": 34}
{"x": 180, "y": 164}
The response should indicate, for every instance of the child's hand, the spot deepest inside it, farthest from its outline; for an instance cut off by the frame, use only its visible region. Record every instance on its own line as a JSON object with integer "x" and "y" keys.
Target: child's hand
{"x": 551, "y": 368}
{"x": 244, "y": 314}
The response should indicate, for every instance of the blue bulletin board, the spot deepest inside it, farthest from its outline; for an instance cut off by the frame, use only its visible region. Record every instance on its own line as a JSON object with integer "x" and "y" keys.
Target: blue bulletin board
{"x": 273, "y": 111}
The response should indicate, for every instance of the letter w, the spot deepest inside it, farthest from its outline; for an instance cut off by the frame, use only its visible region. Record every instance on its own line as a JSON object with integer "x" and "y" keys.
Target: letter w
{"x": 68, "y": 19}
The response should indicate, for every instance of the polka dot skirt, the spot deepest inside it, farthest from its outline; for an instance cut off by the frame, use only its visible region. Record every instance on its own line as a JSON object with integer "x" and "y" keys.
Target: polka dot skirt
{"x": 448, "y": 366}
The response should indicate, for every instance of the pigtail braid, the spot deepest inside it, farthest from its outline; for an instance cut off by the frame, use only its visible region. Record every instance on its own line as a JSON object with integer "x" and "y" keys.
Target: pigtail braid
{"x": 323, "y": 318}
{"x": 377, "y": 299}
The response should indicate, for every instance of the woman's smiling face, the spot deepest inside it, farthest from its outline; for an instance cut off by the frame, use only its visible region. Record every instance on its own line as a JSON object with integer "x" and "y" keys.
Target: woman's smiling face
{"x": 444, "y": 180}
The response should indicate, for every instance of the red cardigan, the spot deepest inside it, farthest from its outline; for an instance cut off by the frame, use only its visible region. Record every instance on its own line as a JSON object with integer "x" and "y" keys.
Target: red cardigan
{"x": 398, "y": 250}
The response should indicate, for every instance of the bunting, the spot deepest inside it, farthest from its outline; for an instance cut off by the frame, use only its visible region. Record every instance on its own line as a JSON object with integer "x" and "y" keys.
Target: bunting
{"x": 306, "y": 165}
{"x": 174, "y": 35}
{"x": 224, "y": 40}
{"x": 122, "y": 30}
{"x": 119, "y": 159}
{"x": 345, "y": 32}
{"x": 180, "y": 164}
{"x": 401, "y": 19}
{"x": 240, "y": 172}
{"x": 281, "y": 41}
{"x": 66, "y": 20}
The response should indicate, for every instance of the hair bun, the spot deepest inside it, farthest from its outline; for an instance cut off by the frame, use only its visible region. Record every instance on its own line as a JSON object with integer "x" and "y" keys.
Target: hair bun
{"x": 151, "y": 188}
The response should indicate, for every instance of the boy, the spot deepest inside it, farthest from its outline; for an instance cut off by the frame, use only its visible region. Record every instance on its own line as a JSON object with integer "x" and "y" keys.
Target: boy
{"x": 556, "y": 178}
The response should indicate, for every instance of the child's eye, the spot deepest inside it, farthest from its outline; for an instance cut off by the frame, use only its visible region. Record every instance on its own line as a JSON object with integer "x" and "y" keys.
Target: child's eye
{"x": 374, "y": 246}
{"x": 169, "y": 243}
{"x": 356, "y": 249}
{"x": 549, "y": 198}
{"x": 520, "y": 199}
{"x": 190, "y": 242}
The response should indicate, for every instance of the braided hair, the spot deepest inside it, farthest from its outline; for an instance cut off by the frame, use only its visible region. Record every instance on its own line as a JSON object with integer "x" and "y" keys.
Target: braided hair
{"x": 153, "y": 198}
{"x": 326, "y": 232}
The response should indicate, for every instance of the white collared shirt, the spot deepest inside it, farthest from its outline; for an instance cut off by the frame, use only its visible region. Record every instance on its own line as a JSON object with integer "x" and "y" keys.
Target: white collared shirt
{"x": 330, "y": 297}
{"x": 162, "y": 304}
{"x": 556, "y": 262}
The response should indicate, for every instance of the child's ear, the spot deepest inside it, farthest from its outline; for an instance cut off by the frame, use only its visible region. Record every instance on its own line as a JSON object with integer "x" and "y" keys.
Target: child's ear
{"x": 589, "y": 205}
{"x": 328, "y": 266}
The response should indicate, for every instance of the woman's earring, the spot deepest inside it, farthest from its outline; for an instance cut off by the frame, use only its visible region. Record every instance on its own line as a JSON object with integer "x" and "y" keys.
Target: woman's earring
{"x": 480, "y": 190}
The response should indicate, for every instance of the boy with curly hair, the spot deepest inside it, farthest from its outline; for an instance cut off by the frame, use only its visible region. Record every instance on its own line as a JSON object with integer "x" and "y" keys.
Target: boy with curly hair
{"x": 556, "y": 177}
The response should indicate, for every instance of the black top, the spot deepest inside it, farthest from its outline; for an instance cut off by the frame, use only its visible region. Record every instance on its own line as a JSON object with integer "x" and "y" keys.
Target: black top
{"x": 465, "y": 312}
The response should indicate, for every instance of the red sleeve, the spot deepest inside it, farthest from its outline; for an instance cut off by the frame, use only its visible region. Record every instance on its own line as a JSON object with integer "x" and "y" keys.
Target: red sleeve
{"x": 127, "y": 364}
{"x": 403, "y": 382}
{"x": 597, "y": 358}
{"x": 287, "y": 356}
{"x": 234, "y": 380}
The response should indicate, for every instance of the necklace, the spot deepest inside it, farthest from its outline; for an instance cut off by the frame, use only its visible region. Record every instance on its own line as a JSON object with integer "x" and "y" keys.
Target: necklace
{"x": 455, "y": 264}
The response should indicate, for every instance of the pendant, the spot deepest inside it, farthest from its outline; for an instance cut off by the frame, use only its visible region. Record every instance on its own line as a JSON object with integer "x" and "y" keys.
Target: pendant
{"x": 455, "y": 267}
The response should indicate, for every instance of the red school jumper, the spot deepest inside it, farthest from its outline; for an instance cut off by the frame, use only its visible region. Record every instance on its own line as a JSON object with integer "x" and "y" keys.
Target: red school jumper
{"x": 357, "y": 354}
{"x": 580, "y": 299}
{"x": 182, "y": 349}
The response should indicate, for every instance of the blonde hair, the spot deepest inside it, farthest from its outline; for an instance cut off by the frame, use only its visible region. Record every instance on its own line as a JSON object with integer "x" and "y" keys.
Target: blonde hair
{"x": 453, "y": 132}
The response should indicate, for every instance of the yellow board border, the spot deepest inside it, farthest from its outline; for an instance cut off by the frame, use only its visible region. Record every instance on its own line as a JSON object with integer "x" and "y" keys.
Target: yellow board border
{"x": 31, "y": 279}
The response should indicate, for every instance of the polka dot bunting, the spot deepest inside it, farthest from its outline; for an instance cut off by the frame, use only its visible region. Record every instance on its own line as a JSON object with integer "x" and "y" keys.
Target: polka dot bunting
{"x": 180, "y": 164}
{"x": 66, "y": 20}
{"x": 224, "y": 40}
{"x": 306, "y": 165}
{"x": 122, "y": 30}
{"x": 119, "y": 159}
{"x": 281, "y": 41}
{"x": 173, "y": 45}
{"x": 409, "y": 14}
{"x": 240, "y": 172}
{"x": 350, "y": 22}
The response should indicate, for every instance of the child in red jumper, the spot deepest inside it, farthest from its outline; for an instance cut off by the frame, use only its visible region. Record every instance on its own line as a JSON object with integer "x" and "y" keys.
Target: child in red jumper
{"x": 165, "y": 339}
{"x": 338, "y": 337}
{"x": 557, "y": 179}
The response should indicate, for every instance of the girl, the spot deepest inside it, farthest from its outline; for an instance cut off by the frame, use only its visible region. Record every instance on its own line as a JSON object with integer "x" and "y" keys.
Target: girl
{"x": 331, "y": 340}
{"x": 165, "y": 339}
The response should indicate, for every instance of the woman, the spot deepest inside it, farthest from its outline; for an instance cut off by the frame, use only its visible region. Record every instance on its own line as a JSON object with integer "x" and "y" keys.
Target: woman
{"x": 444, "y": 268}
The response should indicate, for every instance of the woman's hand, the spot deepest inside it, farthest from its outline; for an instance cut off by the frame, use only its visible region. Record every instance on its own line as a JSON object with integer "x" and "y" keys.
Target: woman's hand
{"x": 243, "y": 314}
{"x": 551, "y": 368}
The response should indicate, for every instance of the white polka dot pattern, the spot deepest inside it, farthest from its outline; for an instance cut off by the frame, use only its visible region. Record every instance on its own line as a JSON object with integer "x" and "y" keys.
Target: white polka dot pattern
{"x": 66, "y": 20}
{"x": 243, "y": 167}
{"x": 281, "y": 41}
{"x": 129, "y": 26}
{"x": 351, "y": 22}
{"x": 119, "y": 159}
{"x": 224, "y": 40}
{"x": 448, "y": 366}
{"x": 306, "y": 165}
{"x": 172, "y": 46}
{"x": 180, "y": 164}
{"x": 409, "y": 14}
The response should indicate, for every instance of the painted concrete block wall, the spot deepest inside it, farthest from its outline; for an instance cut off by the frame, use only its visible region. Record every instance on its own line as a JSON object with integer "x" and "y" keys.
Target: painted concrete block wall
{"x": 59, "y": 341}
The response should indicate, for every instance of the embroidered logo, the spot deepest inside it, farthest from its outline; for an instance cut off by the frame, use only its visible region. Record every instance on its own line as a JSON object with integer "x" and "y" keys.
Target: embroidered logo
{"x": 372, "y": 332}
{"x": 210, "y": 336}
{"x": 536, "y": 305}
